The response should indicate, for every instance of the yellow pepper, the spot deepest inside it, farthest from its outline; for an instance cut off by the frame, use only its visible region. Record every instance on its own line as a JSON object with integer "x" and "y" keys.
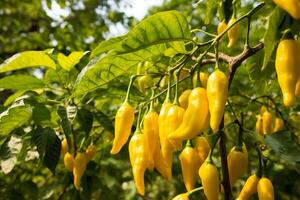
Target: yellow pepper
{"x": 217, "y": 91}
{"x": 202, "y": 148}
{"x": 69, "y": 161}
{"x": 64, "y": 146}
{"x": 267, "y": 122}
{"x": 237, "y": 163}
{"x": 184, "y": 99}
{"x": 221, "y": 27}
{"x": 249, "y": 188}
{"x": 161, "y": 165}
{"x": 232, "y": 33}
{"x": 183, "y": 196}
{"x": 265, "y": 189}
{"x": 194, "y": 118}
{"x": 278, "y": 124}
{"x": 143, "y": 81}
{"x": 190, "y": 164}
{"x": 290, "y": 6}
{"x": 123, "y": 124}
{"x": 210, "y": 180}
{"x": 259, "y": 125}
{"x": 90, "y": 152}
{"x": 203, "y": 79}
{"x": 287, "y": 68}
{"x": 79, "y": 168}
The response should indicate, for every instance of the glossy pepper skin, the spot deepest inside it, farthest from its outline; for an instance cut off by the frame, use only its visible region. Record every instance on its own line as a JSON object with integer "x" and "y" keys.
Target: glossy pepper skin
{"x": 174, "y": 119}
{"x": 221, "y": 27}
{"x": 265, "y": 189}
{"x": 161, "y": 165}
{"x": 249, "y": 188}
{"x": 151, "y": 131}
{"x": 69, "y": 161}
{"x": 195, "y": 116}
{"x": 184, "y": 98}
{"x": 210, "y": 180}
{"x": 267, "y": 122}
{"x": 190, "y": 164}
{"x": 217, "y": 91}
{"x": 287, "y": 68}
{"x": 183, "y": 196}
{"x": 259, "y": 125}
{"x": 139, "y": 159}
{"x": 232, "y": 33}
{"x": 80, "y": 163}
{"x": 202, "y": 148}
{"x": 90, "y": 152}
{"x": 64, "y": 146}
{"x": 237, "y": 163}
{"x": 290, "y": 6}
{"x": 123, "y": 124}
{"x": 297, "y": 90}
{"x": 278, "y": 124}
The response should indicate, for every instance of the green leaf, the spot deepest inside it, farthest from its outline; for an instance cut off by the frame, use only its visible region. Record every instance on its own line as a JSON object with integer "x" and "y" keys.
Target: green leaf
{"x": 41, "y": 113}
{"x": 85, "y": 119}
{"x": 13, "y": 97}
{"x": 272, "y": 35}
{"x": 14, "y": 117}
{"x": 107, "y": 45}
{"x": 48, "y": 145}
{"x": 104, "y": 120}
{"x": 21, "y": 82}
{"x": 27, "y": 59}
{"x": 68, "y": 62}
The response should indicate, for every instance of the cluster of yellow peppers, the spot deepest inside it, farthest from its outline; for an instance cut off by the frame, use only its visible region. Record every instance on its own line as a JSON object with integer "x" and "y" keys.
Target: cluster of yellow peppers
{"x": 232, "y": 33}
{"x": 266, "y": 123}
{"x": 78, "y": 164}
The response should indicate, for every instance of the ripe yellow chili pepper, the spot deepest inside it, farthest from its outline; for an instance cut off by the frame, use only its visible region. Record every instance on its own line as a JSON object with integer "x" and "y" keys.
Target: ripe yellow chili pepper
{"x": 267, "y": 122}
{"x": 202, "y": 148}
{"x": 144, "y": 82}
{"x": 151, "y": 131}
{"x": 183, "y": 196}
{"x": 174, "y": 119}
{"x": 249, "y": 188}
{"x": 210, "y": 180}
{"x": 232, "y": 33}
{"x": 69, "y": 161}
{"x": 290, "y": 6}
{"x": 221, "y": 27}
{"x": 237, "y": 163}
{"x": 287, "y": 68}
{"x": 139, "y": 159}
{"x": 203, "y": 79}
{"x": 90, "y": 152}
{"x": 64, "y": 146}
{"x": 297, "y": 90}
{"x": 217, "y": 91}
{"x": 161, "y": 165}
{"x": 184, "y": 98}
{"x": 190, "y": 164}
{"x": 79, "y": 168}
{"x": 265, "y": 189}
{"x": 194, "y": 118}
{"x": 123, "y": 124}
{"x": 259, "y": 125}
{"x": 278, "y": 124}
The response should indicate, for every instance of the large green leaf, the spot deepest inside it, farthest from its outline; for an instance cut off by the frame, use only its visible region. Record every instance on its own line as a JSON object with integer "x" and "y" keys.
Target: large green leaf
{"x": 68, "y": 62}
{"x": 48, "y": 145}
{"x": 14, "y": 117}
{"x": 21, "y": 82}
{"x": 27, "y": 59}
{"x": 107, "y": 45}
{"x": 148, "y": 40}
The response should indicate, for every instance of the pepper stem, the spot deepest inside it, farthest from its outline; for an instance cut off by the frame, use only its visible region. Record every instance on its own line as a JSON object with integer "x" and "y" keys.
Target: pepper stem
{"x": 132, "y": 78}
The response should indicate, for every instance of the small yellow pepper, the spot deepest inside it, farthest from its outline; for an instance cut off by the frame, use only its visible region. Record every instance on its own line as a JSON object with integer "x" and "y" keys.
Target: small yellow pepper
{"x": 278, "y": 124}
{"x": 265, "y": 189}
{"x": 232, "y": 33}
{"x": 90, "y": 152}
{"x": 259, "y": 125}
{"x": 221, "y": 27}
{"x": 249, "y": 188}
{"x": 267, "y": 122}
{"x": 69, "y": 161}
{"x": 64, "y": 146}
{"x": 79, "y": 168}
{"x": 210, "y": 180}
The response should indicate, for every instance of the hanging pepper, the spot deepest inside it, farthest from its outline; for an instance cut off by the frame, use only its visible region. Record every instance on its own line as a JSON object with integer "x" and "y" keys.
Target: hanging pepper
{"x": 287, "y": 68}
{"x": 267, "y": 122}
{"x": 202, "y": 148}
{"x": 90, "y": 152}
{"x": 79, "y": 168}
{"x": 210, "y": 180}
{"x": 290, "y": 6}
{"x": 139, "y": 159}
{"x": 64, "y": 146}
{"x": 278, "y": 124}
{"x": 190, "y": 164}
{"x": 183, "y": 196}
{"x": 123, "y": 124}
{"x": 265, "y": 189}
{"x": 237, "y": 163}
{"x": 69, "y": 161}
{"x": 232, "y": 33}
{"x": 143, "y": 81}
{"x": 194, "y": 118}
{"x": 221, "y": 27}
{"x": 259, "y": 125}
{"x": 217, "y": 91}
{"x": 161, "y": 165}
{"x": 249, "y": 188}
{"x": 184, "y": 98}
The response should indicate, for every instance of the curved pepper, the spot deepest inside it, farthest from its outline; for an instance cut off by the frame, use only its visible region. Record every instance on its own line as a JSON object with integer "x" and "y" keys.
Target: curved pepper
{"x": 265, "y": 189}
{"x": 287, "y": 68}
{"x": 267, "y": 122}
{"x": 210, "y": 180}
{"x": 278, "y": 124}
{"x": 183, "y": 196}
{"x": 221, "y": 27}
{"x": 259, "y": 125}
{"x": 232, "y": 33}
{"x": 290, "y": 6}
{"x": 249, "y": 188}
{"x": 69, "y": 161}
{"x": 184, "y": 98}
{"x": 237, "y": 163}
{"x": 190, "y": 164}
{"x": 64, "y": 146}
{"x": 79, "y": 168}
{"x": 195, "y": 116}
{"x": 202, "y": 148}
{"x": 217, "y": 91}
{"x": 123, "y": 124}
